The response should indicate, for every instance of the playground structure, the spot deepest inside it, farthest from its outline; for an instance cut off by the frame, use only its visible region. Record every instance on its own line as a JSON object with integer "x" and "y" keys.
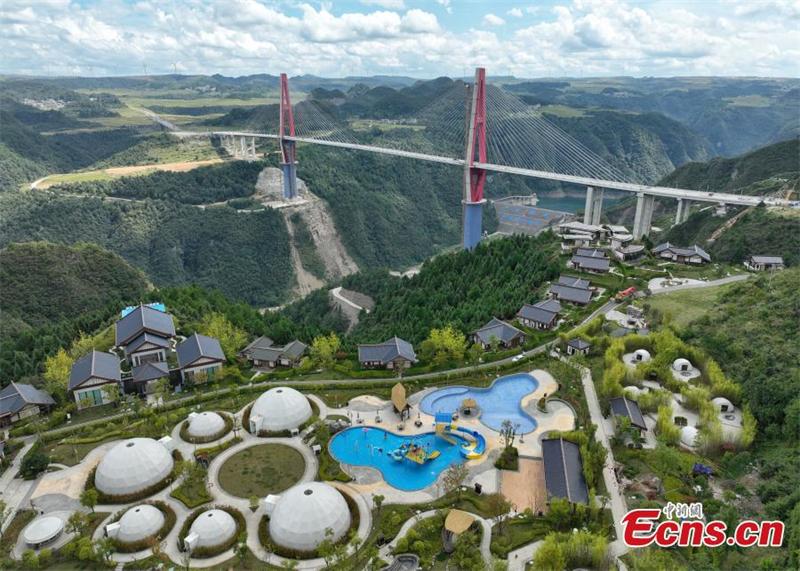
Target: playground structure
{"x": 417, "y": 453}
{"x": 475, "y": 445}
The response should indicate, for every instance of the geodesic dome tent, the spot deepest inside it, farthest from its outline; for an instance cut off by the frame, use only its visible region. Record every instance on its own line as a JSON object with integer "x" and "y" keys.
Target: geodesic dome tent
{"x": 131, "y": 466}
{"x": 722, "y": 404}
{"x": 278, "y": 409}
{"x": 205, "y": 424}
{"x": 689, "y": 436}
{"x": 211, "y": 528}
{"x": 682, "y": 365}
{"x": 303, "y": 514}
{"x": 136, "y": 524}
{"x": 632, "y": 390}
{"x": 642, "y": 356}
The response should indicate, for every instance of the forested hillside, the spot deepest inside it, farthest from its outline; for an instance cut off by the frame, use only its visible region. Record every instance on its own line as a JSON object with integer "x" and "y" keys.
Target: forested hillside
{"x": 204, "y": 185}
{"x": 752, "y": 331}
{"x": 43, "y": 283}
{"x": 724, "y": 175}
{"x": 644, "y": 147}
{"x": 244, "y": 255}
{"x": 464, "y": 289}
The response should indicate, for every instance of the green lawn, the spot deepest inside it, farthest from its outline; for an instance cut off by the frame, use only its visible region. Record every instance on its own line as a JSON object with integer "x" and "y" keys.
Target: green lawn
{"x": 685, "y": 306}
{"x": 71, "y": 454}
{"x": 261, "y": 470}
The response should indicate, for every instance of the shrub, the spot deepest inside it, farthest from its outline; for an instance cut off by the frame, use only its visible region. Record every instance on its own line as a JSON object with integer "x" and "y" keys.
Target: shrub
{"x": 508, "y": 459}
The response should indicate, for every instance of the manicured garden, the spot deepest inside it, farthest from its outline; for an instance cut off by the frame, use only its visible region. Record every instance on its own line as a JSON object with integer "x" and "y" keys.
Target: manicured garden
{"x": 261, "y": 470}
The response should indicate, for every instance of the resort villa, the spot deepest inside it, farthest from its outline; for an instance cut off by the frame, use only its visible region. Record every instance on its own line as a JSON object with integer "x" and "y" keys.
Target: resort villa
{"x": 540, "y": 315}
{"x": 90, "y": 374}
{"x": 199, "y": 358}
{"x": 498, "y": 333}
{"x": 19, "y": 401}
{"x": 390, "y": 354}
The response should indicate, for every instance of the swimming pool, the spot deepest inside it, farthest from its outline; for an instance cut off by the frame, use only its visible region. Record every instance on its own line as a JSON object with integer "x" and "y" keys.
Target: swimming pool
{"x": 373, "y": 447}
{"x": 499, "y": 402}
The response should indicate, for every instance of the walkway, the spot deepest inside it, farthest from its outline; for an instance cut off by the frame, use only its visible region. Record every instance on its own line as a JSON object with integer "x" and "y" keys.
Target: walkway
{"x": 16, "y": 491}
{"x": 655, "y": 286}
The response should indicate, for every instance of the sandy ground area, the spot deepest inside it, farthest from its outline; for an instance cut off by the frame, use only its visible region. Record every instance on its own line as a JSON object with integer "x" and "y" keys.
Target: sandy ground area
{"x": 68, "y": 482}
{"x": 123, "y": 171}
{"x": 525, "y": 488}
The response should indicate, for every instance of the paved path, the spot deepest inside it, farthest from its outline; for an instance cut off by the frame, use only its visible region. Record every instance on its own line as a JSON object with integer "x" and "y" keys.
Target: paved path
{"x": 16, "y": 491}
{"x": 655, "y": 284}
{"x": 519, "y": 557}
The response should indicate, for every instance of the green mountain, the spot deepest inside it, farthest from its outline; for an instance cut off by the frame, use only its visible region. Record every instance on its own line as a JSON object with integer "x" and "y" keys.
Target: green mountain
{"x": 43, "y": 283}
{"x": 244, "y": 255}
{"x": 725, "y": 175}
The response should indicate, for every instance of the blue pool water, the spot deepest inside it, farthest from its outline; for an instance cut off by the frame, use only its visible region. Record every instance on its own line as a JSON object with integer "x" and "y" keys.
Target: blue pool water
{"x": 361, "y": 447}
{"x": 499, "y": 402}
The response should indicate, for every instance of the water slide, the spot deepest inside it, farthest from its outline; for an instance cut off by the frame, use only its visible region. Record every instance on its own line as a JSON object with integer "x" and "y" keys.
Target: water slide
{"x": 475, "y": 448}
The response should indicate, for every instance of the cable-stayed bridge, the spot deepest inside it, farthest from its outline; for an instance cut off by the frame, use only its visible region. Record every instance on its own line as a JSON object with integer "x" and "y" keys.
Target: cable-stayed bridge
{"x": 478, "y": 127}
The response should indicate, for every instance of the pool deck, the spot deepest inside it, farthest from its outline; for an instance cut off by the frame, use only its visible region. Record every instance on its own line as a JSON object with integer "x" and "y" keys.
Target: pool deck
{"x": 364, "y": 410}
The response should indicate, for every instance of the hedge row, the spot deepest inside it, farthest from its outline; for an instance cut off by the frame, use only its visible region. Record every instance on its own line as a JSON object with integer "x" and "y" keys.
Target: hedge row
{"x": 104, "y": 498}
{"x": 133, "y": 546}
{"x": 228, "y": 419}
{"x": 212, "y": 551}
{"x": 272, "y": 547}
{"x": 213, "y": 451}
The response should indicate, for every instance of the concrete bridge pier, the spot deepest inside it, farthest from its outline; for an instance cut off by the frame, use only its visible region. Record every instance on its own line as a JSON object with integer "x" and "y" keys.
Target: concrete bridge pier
{"x": 289, "y": 168}
{"x": 594, "y": 206}
{"x": 644, "y": 215}
{"x": 251, "y": 149}
{"x": 684, "y": 208}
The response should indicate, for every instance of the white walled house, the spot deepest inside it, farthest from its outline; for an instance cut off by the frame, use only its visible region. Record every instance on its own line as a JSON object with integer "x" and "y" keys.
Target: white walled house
{"x": 199, "y": 354}
{"x": 19, "y": 401}
{"x": 145, "y": 334}
{"x": 90, "y": 374}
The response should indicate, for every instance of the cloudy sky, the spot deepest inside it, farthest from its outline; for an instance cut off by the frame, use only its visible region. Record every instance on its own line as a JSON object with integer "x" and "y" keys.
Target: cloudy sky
{"x": 401, "y": 37}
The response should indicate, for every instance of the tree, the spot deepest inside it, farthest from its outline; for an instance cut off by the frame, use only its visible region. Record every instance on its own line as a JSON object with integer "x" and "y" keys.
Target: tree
{"x": 230, "y": 337}
{"x": 5, "y": 513}
{"x": 112, "y": 392}
{"x": 57, "y": 369}
{"x": 161, "y": 390}
{"x": 474, "y": 353}
{"x": 550, "y": 556}
{"x": 378, "y": 500}
{"x": 45, "y": 555}
{"x": 85, "y": 549}
{"x": 241, "y": 548}
{"x": 453, "y": 479}
{"x": 326, "y": 549}
{"x": 77, "y": 523}
{"x": 89, "y": 498}
{"x": 665, "y": 460}
{"x": 104, "y": 548}
{"x": 498, "y": 507}
{"x": 499, "y": 564}
{"x": 290, "y": 564}
{"x": 34, "y": 462}
{"x": 253, "y": 503}
{"x": 29, "y": 559}
{"x": 508, "y": 432}
{"x": 443, "y": 345}
{"x": 324, "y": 349}
{"x": 466, "y": 555}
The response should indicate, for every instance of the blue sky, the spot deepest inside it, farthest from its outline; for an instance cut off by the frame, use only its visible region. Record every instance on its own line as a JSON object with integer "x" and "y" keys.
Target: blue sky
{"x": 421, "y": 38}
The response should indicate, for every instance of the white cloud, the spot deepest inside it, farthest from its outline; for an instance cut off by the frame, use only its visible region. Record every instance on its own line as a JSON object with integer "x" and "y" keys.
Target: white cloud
{"x": 532, "y": 9}
{"x": 446, "y": 5}
{"x": 492, "y": 20}
{"x": 516, "y": 12}
{"x": 388, "y": 4}
{"x": 239, "y": 37}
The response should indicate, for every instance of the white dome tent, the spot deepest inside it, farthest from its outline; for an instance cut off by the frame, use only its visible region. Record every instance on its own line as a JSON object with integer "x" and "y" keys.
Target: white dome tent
{"x": 210, "y": 529}
{"x": 43, "y": 531}
{"x": 303, "y": 514}
{"x": 689, "y": 436}
{"x": 136, "y": 524}
{"x": 133, "y": 465}
{"x": 722, "y": 404}
{"x": 642, "y": 356}
{"x": 682, "y": 365}
{"x": 632, "y": 390}
{"x": 205, "y": 424}
{"x": 279, "y": 409}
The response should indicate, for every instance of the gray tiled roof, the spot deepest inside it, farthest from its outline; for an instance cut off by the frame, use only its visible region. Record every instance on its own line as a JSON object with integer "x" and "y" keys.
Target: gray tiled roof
{"x": 563, "y": 470}
{"x": 291, "y": 350}
{"x": 137, "y": 342}
{"x": 260, "y": 343}
{"x": 144, "y": 318}
{"x": 590, "y": 253}
{"x": 767, "y": 259}
{"x": 685, "y": 252}
{"x": 622, "y": 406}
{"x": 295, "y": 349}
{"x": 94, "y": 365}
{"x": 150, "y": 372}
{"x": 537, "y": 314}
{"x": 578, "y": 344}
{"x": 198, "y": 346}
{"x": 572, "y": 294}
{"x": 573, "y": 282}
{"x": 591, "y": 263}
{"x": 499, "y": 330}
{"x": 387, "y": 351}
{"x": 551, "y": 305}
{"x": 15, "y": 396}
